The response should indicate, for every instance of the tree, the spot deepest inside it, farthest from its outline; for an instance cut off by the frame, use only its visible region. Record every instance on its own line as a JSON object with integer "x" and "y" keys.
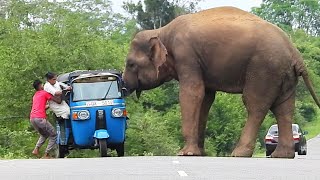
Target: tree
{"x": 153, "y": 14}
{"x": 157, "y": 13}
{"x": 3, "y": 6}
{"x": 292, "y": 14}
{"x": 308, "y": 16}
{"x": 186, "y": 6}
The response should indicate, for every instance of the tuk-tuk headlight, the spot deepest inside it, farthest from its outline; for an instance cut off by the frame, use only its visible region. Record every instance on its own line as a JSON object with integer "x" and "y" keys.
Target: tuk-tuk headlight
{"x": 83, "y": 114}
{"x": 117, "y": 112}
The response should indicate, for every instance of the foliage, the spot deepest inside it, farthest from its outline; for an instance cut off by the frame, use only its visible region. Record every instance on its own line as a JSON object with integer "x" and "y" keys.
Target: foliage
{"x": 292, "y": 14}
{"x": 150, "y": 133}
{"x": 64, "y": 38}
{"x": 157, "y": 13}
{"x": 16, "y": 143}
{"x": 224, "y": 122}
{"x": 153, "y": 14}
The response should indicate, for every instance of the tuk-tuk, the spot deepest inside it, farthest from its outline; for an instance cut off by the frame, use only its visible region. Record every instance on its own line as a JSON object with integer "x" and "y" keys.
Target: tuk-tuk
{"x": 97, "y": 112}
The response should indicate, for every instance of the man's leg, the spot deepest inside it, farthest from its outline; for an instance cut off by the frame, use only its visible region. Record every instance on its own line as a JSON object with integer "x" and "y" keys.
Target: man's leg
{"x": 36, "y": 123}
{"x": 62, "y": 123}
{"x": 52, "y": 138}
{"x": 40, "y": 142}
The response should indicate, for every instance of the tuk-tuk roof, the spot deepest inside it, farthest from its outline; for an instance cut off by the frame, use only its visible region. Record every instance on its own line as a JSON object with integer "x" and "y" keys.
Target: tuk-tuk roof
{"x": 67, "y": 77}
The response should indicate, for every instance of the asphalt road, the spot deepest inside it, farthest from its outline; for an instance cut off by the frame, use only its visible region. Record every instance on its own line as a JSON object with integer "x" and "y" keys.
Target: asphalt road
{"x": 148, "y": 168}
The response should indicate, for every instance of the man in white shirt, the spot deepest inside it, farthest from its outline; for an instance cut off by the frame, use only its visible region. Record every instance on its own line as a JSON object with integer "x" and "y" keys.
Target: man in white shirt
{"x": 53, "y": 87}
{"x": 62, "y": 111}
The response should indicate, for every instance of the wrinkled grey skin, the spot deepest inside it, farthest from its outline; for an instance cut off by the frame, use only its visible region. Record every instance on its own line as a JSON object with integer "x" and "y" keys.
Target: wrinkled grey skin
{"x": 221, "y": 49}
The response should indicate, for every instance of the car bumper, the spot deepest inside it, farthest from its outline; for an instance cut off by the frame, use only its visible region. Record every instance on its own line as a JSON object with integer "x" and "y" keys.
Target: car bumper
{"x": 272, "y": 147}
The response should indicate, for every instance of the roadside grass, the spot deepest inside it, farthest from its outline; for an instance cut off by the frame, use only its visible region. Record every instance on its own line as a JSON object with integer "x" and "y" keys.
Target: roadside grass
{"x": 259, "y": 151}
{"x": 259, "y": 155}
{"x": 17, "y": 139}
{"x": 313, "y": 128}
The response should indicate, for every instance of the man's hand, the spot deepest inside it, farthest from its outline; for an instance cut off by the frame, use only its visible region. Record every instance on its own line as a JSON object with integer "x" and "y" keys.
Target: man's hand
{"x": 58, "y": 93}
{"x": 56, "y": 99}
{"x": 68, "y": 88}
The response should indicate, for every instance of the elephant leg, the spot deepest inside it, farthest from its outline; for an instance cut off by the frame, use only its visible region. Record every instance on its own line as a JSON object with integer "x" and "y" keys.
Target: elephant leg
{"x": 284, "y": 115}
{"x": 206, "y": 104}
{"x": 246, "y": 144}
{"x": 259, "y": 93}
{"x": 191, "y": 96}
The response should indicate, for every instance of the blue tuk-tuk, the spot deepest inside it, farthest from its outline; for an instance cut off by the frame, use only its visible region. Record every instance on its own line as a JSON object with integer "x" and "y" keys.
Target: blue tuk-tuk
{"x": 97, "y": 112}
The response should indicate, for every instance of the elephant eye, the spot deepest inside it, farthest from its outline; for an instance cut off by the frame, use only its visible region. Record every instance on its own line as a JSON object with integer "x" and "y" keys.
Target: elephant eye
{"x": 130, "y": 64}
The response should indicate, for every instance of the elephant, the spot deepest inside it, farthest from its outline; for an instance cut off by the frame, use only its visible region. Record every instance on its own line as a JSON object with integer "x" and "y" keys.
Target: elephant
{"x": 221, "y": 49}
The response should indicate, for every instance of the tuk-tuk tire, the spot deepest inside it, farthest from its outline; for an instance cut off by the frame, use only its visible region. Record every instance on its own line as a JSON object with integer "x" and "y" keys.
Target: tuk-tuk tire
{"x": 103, "y": 147}
{"x": 62, "y": 151}
{"x": 120, "y": 150}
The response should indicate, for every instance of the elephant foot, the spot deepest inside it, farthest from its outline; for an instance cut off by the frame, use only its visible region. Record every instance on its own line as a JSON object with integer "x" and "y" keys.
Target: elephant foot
{"x": 241, "y": 151}
{"x": 191, "y": 150}
{"x": 283, "y": 152}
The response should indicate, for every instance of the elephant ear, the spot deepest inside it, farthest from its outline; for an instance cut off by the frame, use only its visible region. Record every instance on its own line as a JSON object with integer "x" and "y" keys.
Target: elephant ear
{"x": 158, "y": 53}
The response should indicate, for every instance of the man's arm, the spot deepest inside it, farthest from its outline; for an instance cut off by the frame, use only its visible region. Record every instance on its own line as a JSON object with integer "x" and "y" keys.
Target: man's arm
{"x": 56, "y": 99}
{"x": 65, "y": 86}
{"x": 50, "y": 89}
{"x": 47, "y": 106}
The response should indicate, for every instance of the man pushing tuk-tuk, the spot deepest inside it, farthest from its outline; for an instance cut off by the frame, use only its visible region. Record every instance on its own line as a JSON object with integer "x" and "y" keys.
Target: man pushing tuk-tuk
{"x": 38, "y": 118}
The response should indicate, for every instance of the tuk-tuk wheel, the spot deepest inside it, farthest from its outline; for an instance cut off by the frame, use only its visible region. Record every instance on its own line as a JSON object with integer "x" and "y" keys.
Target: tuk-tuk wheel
{"x": 103, "y": 147}
{"x": 61, "y": 151}
{"x": 120, "y": 150}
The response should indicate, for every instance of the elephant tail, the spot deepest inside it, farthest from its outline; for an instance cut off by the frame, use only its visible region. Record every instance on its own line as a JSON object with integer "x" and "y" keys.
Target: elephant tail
{"x": 301, "y": 70}
{"x": 309, "y": 85}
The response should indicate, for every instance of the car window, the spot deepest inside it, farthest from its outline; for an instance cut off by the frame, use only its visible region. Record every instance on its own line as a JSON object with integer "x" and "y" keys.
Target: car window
{"x": 295, "y": 129}
{"x": 274, "y": 130}
{"x": 299, "y": 130}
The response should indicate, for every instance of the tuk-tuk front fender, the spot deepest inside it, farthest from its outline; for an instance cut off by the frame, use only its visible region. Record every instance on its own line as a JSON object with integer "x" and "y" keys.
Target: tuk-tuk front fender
{"x": 101, "y": 134}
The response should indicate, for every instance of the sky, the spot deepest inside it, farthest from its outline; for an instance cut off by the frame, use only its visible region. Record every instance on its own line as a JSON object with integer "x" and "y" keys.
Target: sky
{"x": 204, "y": 4}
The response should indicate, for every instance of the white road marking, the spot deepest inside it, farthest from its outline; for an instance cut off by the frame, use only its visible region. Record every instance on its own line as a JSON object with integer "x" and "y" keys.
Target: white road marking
{"x": 1, "y": 162}
{"x": 182, "y": 173}
{"x": 175, "y": 162}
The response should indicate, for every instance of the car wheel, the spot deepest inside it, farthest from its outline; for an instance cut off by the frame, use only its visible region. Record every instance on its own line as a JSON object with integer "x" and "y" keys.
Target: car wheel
{"x": 302, "y": 150}
{"x": 299, "y": 150}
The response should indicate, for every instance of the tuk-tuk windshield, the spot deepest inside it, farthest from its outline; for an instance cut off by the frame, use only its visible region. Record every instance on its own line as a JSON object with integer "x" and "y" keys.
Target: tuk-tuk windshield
{"x": 88, "y": 90}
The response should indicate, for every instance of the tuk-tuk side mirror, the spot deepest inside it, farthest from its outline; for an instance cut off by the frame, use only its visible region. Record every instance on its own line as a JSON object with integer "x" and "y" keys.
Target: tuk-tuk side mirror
{"x": 305, "y": 132}
{"x": 124, "y": 92}
{"x": 66, "y": 95}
